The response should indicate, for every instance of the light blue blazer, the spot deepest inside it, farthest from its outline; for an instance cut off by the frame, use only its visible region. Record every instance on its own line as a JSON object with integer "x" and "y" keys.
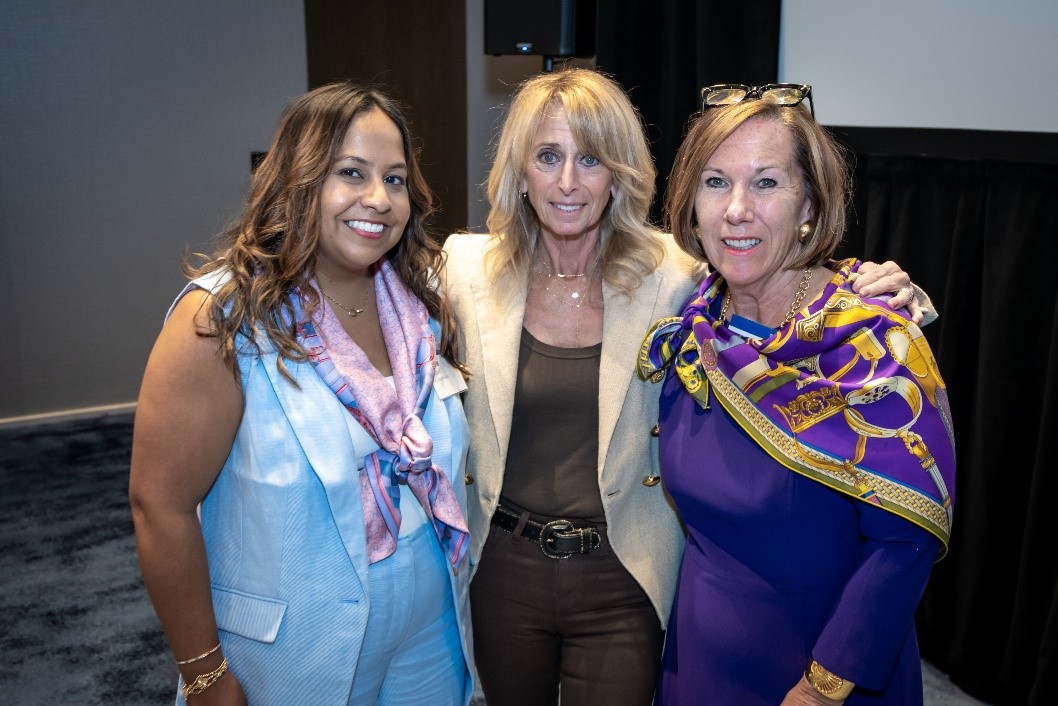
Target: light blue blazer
{"x": 284, "y": 531}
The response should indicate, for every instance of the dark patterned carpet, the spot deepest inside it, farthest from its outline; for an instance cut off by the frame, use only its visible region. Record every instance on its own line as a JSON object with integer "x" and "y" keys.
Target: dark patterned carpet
{"x": 76, "y": 626}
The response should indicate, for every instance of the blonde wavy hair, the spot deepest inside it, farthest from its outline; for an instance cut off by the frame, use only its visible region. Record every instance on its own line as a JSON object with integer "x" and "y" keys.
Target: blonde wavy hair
{"x": 270, "y": 251}
{"x": 605, "y": 124}
{"x": 820, "y": 158}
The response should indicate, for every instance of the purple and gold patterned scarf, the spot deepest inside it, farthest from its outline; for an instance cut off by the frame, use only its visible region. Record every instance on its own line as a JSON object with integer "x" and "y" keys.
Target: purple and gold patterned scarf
{"x": 393, "y": 418}
{"x": 847, "y": 394}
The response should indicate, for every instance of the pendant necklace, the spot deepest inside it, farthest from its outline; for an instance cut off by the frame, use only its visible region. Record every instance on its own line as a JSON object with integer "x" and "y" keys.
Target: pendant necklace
{"x": 349, "y": 311}
{"x": 577, "y": 297}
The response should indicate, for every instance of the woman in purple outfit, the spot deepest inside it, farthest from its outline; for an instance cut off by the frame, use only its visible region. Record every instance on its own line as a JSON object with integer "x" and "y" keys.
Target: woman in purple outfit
{"x": 805, "y": 431}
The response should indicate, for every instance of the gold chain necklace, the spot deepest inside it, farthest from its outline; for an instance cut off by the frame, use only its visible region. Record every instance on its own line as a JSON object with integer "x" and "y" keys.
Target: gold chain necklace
{"x": 802, "y": 289}
{"x": 349, "y": 311}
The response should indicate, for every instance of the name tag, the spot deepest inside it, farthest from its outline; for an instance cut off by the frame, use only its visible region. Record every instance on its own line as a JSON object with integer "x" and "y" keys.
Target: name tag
{"x": 748, "y": 328}
{"x": 448, "y": 381}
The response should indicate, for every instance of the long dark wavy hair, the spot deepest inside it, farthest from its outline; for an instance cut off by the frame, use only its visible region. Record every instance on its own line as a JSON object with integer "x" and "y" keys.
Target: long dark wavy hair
{"x": 270, "y": 251}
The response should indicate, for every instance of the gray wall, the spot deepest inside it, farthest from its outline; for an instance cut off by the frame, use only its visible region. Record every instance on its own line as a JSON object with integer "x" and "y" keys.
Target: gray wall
{"x": 962, "y": 64}
{"x": 490, "y": 80}
{"x": 126, "y": 128}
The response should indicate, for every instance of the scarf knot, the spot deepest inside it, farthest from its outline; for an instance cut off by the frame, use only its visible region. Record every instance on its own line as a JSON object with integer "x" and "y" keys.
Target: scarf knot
{"x": 392, "y": 416}
{"x": 416, "y": 446}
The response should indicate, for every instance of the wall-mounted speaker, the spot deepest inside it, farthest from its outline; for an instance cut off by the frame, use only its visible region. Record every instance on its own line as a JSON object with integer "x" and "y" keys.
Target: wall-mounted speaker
{"x": 540, "y": 27}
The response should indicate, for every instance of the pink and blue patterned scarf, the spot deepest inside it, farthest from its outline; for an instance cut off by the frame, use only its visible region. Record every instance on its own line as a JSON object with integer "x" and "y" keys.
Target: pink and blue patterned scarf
{"x": 847, "y": 394}
{"x": 393, "y": 418}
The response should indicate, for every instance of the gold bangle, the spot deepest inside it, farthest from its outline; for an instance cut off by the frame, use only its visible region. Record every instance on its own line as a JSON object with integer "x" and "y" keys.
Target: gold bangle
{"x": 827, "y": 683}
{"x": 204, "y": 681}
{"x": 205, "y": 654}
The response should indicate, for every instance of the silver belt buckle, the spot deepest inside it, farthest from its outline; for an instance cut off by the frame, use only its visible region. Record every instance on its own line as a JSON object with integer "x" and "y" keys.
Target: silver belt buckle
{"x": 549, "y": 530}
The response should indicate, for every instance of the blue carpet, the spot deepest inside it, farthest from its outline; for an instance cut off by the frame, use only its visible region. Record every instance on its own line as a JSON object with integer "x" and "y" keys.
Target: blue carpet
{"x": 76, "y": 626}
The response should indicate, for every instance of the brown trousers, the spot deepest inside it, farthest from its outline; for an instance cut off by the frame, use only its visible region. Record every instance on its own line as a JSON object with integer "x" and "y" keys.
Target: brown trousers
{"x": 582, "y": 624}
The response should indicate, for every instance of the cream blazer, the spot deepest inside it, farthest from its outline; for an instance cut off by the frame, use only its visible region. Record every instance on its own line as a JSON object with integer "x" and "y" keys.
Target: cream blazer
{"x": 642, "y": 524}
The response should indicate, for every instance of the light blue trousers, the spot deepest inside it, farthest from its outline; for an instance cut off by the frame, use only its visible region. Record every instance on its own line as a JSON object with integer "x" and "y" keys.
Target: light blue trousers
{"x": 412, "y": 652}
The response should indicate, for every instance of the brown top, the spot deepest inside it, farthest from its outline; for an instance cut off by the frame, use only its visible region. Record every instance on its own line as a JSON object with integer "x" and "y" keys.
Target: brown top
{"x": 553, "y": 456}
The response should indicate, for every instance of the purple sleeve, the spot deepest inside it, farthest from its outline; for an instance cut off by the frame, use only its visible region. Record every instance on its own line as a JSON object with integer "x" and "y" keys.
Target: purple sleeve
{"x": 869, "y": 626}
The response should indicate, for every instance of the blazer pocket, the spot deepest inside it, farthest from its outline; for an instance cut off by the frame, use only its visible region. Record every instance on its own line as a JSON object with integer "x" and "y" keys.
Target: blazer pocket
{"x": 254, "y": 617}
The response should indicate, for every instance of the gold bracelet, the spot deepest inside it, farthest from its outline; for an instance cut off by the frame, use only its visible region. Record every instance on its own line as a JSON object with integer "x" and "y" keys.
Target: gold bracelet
{"x": 827, "y": 683}
{"x": 204, "y": 681}
{"x": 201, "y": 656}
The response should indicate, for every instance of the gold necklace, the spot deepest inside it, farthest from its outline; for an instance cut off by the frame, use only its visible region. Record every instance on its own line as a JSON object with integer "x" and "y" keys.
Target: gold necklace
{"x": 349, "y": 311}
{"x": 802, "y": 290}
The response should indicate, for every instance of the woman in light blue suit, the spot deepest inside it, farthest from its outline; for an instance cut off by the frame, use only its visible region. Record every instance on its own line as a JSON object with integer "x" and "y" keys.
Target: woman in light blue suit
{"x": 297, "y": 431}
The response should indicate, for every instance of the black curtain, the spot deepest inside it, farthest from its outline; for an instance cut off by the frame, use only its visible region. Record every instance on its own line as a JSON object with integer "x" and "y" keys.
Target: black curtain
{"x": 663, "y": 52}
{"x": 982, "y": 237}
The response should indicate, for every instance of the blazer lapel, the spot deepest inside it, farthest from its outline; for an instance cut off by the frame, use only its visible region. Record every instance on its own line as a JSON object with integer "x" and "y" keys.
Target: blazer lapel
{"x": 500, "y": 330}
{"x": 625, "y": 323}
{"x": 315, "y": 415}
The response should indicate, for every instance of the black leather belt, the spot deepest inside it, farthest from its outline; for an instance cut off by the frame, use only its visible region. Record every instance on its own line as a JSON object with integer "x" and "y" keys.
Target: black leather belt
{"x": 558, "y": 539}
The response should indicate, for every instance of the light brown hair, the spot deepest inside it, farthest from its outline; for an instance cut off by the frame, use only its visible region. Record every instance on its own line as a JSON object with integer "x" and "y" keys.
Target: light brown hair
{"x": 819, "y": 157}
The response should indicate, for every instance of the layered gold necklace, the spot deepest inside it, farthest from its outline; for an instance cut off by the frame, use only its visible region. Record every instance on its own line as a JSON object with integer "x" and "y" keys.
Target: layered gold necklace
{"x": 802, "y": 290}
{"x": 574, "y": 297}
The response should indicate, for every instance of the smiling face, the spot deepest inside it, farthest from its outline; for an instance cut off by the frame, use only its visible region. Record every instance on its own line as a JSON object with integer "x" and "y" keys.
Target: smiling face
{"x": 568, "y": 189}
{"x": 751, "y": 199}
{"x": 364, "y": 200}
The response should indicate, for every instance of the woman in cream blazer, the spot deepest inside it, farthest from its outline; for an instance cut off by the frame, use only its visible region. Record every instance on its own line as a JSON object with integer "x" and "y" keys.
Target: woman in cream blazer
{"x": 642, "y": 527}
{"x": 573, "y": 585}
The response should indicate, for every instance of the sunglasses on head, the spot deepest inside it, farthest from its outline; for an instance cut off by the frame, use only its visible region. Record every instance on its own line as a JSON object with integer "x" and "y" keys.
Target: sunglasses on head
{"x": 788, "y": 94}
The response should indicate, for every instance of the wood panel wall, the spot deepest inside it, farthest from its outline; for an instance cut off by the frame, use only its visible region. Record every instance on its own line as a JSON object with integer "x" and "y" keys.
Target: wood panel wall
{"x": 416, "y": 51}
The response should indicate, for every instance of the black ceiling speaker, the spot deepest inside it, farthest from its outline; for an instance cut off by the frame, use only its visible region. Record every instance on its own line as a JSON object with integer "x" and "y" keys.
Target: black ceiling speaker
{"x": 540, "y": 27}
